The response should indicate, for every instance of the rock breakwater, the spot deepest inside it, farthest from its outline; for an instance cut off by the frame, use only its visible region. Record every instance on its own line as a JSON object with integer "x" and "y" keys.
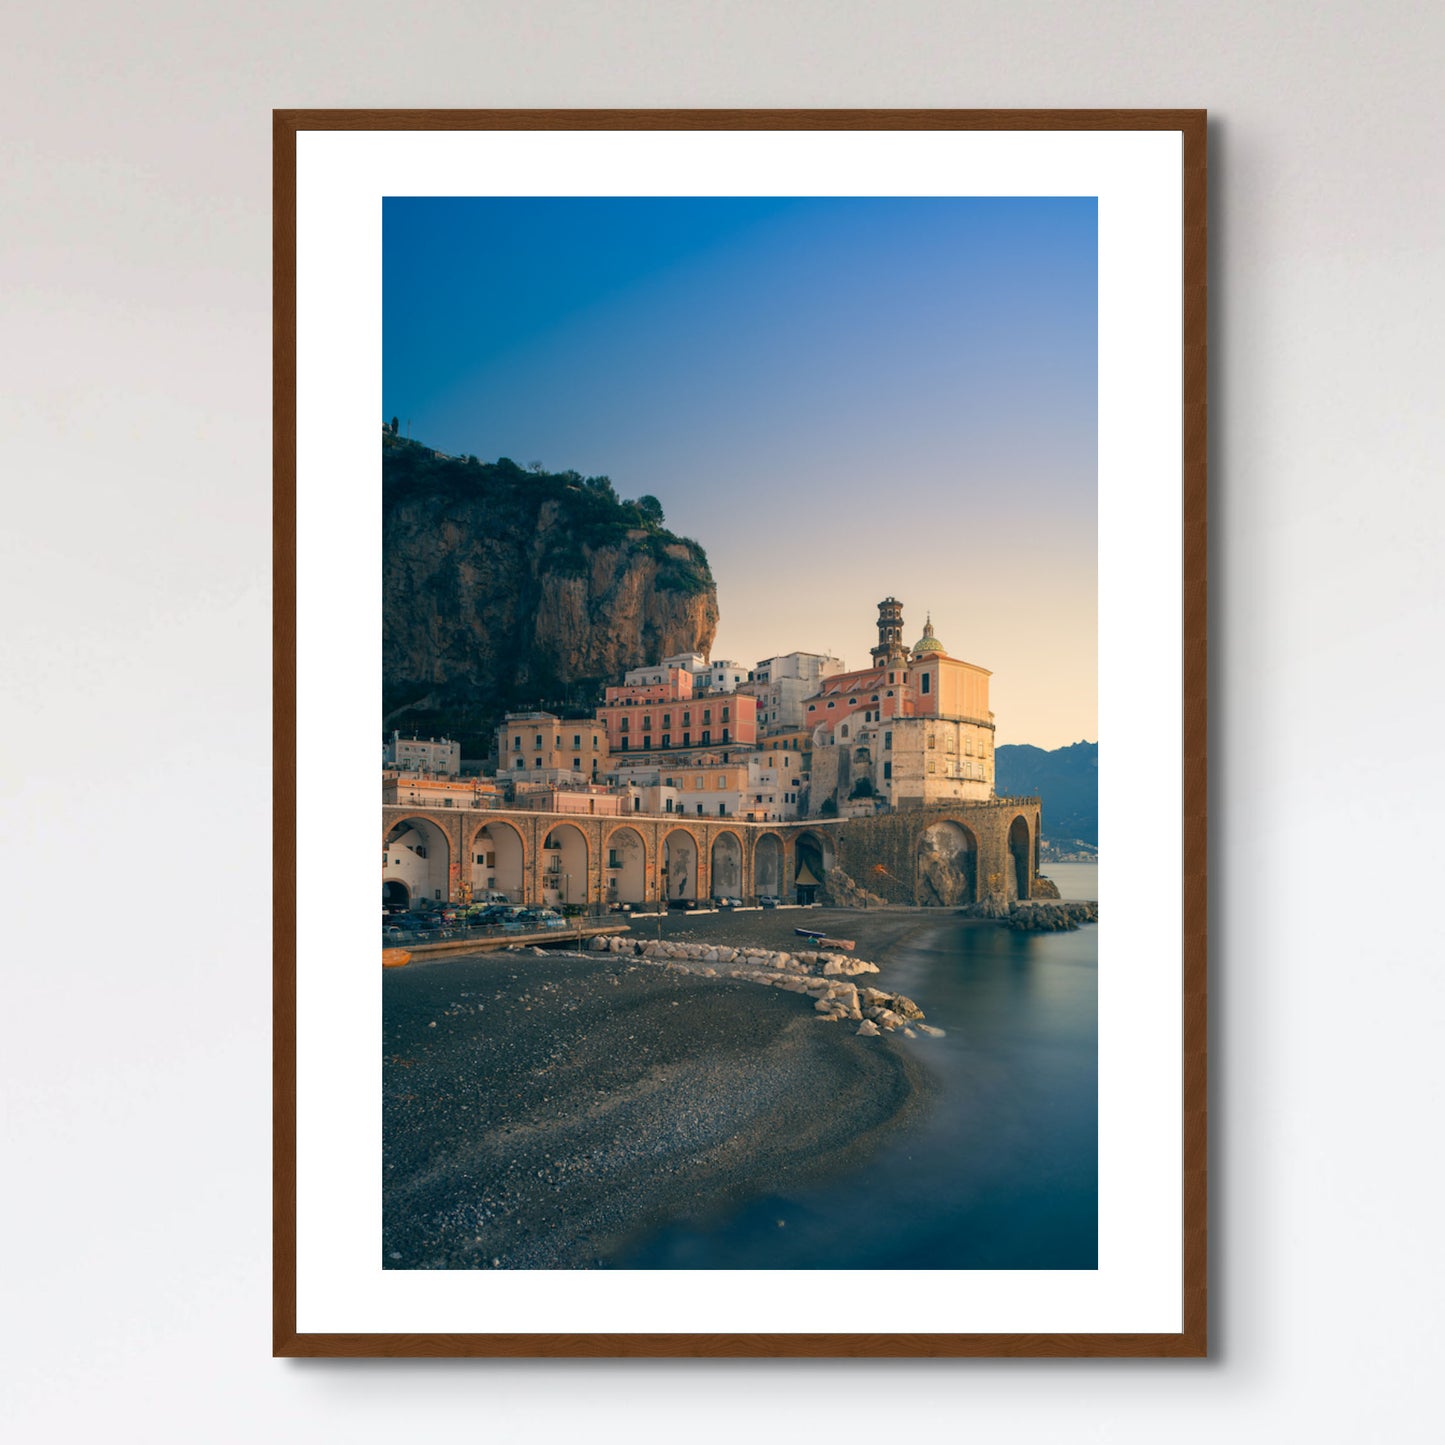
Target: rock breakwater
{"x": 823, "y": 976}
{"x": 1046, "y": 915}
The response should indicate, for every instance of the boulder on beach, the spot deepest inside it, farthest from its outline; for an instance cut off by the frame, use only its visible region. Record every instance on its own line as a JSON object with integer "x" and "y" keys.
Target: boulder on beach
{"x": 868, "y": 1029}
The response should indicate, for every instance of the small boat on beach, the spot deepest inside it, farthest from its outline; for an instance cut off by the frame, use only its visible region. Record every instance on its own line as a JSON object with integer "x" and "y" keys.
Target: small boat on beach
{"x": 816, "y": 935}
{"x": 395, "y": 957}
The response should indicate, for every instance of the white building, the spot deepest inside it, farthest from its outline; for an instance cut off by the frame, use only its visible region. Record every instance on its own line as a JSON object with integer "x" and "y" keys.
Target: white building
{"x": 781, "y": 685}
{"x": 422, "y": 755}
{"x": 714, "y": 677}
{"x": 719, "y": 676}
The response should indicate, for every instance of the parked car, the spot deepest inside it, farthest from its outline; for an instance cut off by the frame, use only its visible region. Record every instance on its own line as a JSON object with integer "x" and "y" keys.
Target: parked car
{"x": 728, "y": 902}
{"x": 770, "y": 902}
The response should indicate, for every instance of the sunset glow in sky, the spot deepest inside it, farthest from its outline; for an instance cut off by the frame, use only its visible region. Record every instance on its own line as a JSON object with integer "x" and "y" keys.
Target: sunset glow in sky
{"x": 841, "y": 399}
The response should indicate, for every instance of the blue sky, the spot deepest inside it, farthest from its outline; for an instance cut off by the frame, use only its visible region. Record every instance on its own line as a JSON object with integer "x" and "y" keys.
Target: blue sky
{"x": 840, "y": 398}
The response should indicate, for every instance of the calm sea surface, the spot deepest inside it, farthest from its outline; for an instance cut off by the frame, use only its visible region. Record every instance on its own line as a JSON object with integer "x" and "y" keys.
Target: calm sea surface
{"x": 1001, "y": 1172}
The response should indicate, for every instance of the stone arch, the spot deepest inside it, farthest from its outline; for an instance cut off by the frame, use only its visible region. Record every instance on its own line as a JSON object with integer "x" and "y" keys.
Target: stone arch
{"x": 947, "y": 863}
{"x": 564, "y": 861}
{"x": 1020, "y": 847}
{"x": 624, "y": 866}
{"x": 680, "y": 864}
{"x": 812, "y": 861}
{"x": 768, "y": 866}
{"x": 726, "y": 865}
{"x": 498, "y": 856}
{"x": 417, "y": 853}
{"x": 395, "y": 894}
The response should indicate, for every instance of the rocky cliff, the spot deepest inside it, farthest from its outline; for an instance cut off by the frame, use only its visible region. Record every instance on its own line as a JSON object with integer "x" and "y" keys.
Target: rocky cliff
{"x": 506, "y": 588}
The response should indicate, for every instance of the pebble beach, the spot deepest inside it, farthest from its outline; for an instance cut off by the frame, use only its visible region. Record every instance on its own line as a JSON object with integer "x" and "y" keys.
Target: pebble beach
{"x": 548, "y": 1112}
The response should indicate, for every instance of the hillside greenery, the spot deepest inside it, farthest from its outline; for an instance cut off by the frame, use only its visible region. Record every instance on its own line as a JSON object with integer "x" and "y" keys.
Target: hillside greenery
{"x": 588, "y": 513}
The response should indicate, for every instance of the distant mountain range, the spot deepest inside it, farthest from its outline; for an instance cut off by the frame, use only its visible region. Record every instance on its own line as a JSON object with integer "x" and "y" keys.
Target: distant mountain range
{"x": 1067, "y": 779}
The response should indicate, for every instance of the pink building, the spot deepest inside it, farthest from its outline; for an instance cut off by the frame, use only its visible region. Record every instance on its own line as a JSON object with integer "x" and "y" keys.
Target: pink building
{"x": 664, "y": 716}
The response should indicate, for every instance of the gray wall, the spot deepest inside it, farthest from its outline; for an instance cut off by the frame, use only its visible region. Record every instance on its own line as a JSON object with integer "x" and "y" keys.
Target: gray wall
{"x": 136, "y": 254}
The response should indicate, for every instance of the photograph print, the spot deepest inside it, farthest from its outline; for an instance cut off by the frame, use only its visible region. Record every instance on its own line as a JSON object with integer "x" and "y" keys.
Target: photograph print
{"x": 739, "y": 722}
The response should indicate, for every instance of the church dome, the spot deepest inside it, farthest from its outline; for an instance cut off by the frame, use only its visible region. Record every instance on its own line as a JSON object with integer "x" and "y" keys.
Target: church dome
{"x": 928, "y": 642}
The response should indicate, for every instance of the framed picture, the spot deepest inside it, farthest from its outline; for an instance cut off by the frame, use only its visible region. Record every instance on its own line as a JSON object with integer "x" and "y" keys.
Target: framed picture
{"x": 778, "y": 590}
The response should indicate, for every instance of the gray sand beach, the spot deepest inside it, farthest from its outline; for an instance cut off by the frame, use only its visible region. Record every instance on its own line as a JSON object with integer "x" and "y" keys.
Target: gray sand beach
{"x": 547, "y": 1112}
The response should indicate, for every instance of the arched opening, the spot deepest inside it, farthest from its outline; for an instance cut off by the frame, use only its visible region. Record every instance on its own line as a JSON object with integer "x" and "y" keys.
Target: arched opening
{"x": 1021, "y": 849}
{"x": 768, "y": 867}
{"x": 812, "y": 860}
{"x": 417, "y": 855}
{"x": 498, "y": 863}
{"x": 624, "y": 868}
{"x": 727, "y": 866}
{"x": 947, "y": 866}
{"x": 564, "y": 866}
{"x": 679, "y": 866}
{"x": 395, "y": 895}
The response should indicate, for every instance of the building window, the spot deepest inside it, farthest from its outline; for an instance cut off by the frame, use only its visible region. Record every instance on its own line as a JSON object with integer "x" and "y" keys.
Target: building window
{"x": 720, "y": 781}
{"x": 726, "y": 735}
{"x": 666, "y": 740}
{"x": 576, "y": 740}
{"x": 722, "y": 810}
{"x": 707, "y": 714}
{"x": 887, "y": 771}
{"x": 687, "y": 740}
{"x": 699, "y": 782}
{"x": 706, "y": 737}
{"x": 727, "y": 713}
{"x": 832, "y": 704}
{"x": 625, "y": 745}
{"x": 932, "y": 741}
{"x": 812, "y": 707}
{"x": 930, "y": 765}
{"x": 927, "y": 682}
{"x": 520, "y": 763}
{"x": 667, "y": 719}
{"x": 887, "y": 740}
{"x": 539, "y": 740}
{"x": 699, "y": 810}
{"x": 517, "y": 742}
{"x": 539, "y": 762}
{"x": 646, "y": 741}
{"x": 576, "y": 764}
{"x": 686, "y": 719}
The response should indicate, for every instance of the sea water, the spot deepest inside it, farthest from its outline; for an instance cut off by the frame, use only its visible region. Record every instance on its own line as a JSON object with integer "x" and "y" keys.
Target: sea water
{"x": 999, "y": 1169}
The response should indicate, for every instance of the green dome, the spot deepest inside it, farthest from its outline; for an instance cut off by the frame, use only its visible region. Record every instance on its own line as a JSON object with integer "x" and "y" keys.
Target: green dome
{"x": 928, "y": 642}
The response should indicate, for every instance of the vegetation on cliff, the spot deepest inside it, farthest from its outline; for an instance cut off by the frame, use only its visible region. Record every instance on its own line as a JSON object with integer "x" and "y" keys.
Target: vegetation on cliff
{"x": 508, "y": 587}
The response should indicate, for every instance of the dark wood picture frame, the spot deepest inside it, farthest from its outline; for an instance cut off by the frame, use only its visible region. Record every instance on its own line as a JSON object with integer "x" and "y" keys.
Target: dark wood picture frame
{"x": 1191, "y": 1340}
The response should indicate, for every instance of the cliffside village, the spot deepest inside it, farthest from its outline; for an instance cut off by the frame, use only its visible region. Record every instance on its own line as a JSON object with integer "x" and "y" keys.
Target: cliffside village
{"x": 795, "y": 736}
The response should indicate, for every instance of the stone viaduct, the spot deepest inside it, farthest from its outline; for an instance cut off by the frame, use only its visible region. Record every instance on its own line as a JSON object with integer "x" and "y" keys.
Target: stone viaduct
{"x": 944, "y": 854}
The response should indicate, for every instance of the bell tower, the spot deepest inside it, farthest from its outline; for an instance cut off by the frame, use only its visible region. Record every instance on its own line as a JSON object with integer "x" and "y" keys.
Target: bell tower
{"x": 890, "y": 633}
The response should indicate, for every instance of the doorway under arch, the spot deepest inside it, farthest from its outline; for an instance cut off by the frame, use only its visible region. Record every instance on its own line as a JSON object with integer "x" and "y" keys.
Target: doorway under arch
{"x": 813, "y": 858}
{"x": 498, "y": 862}
{"x": 679, "y": 864}
{"x": 768, "y": 867}
{"x": 625, "y": 867}
{"x": 727, "y": 866}
{"x": 564, "y": 866}
{"x": 418, "y": 856}
{"x": 947, "y": 865}
{"x": 1020, "y": 846}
